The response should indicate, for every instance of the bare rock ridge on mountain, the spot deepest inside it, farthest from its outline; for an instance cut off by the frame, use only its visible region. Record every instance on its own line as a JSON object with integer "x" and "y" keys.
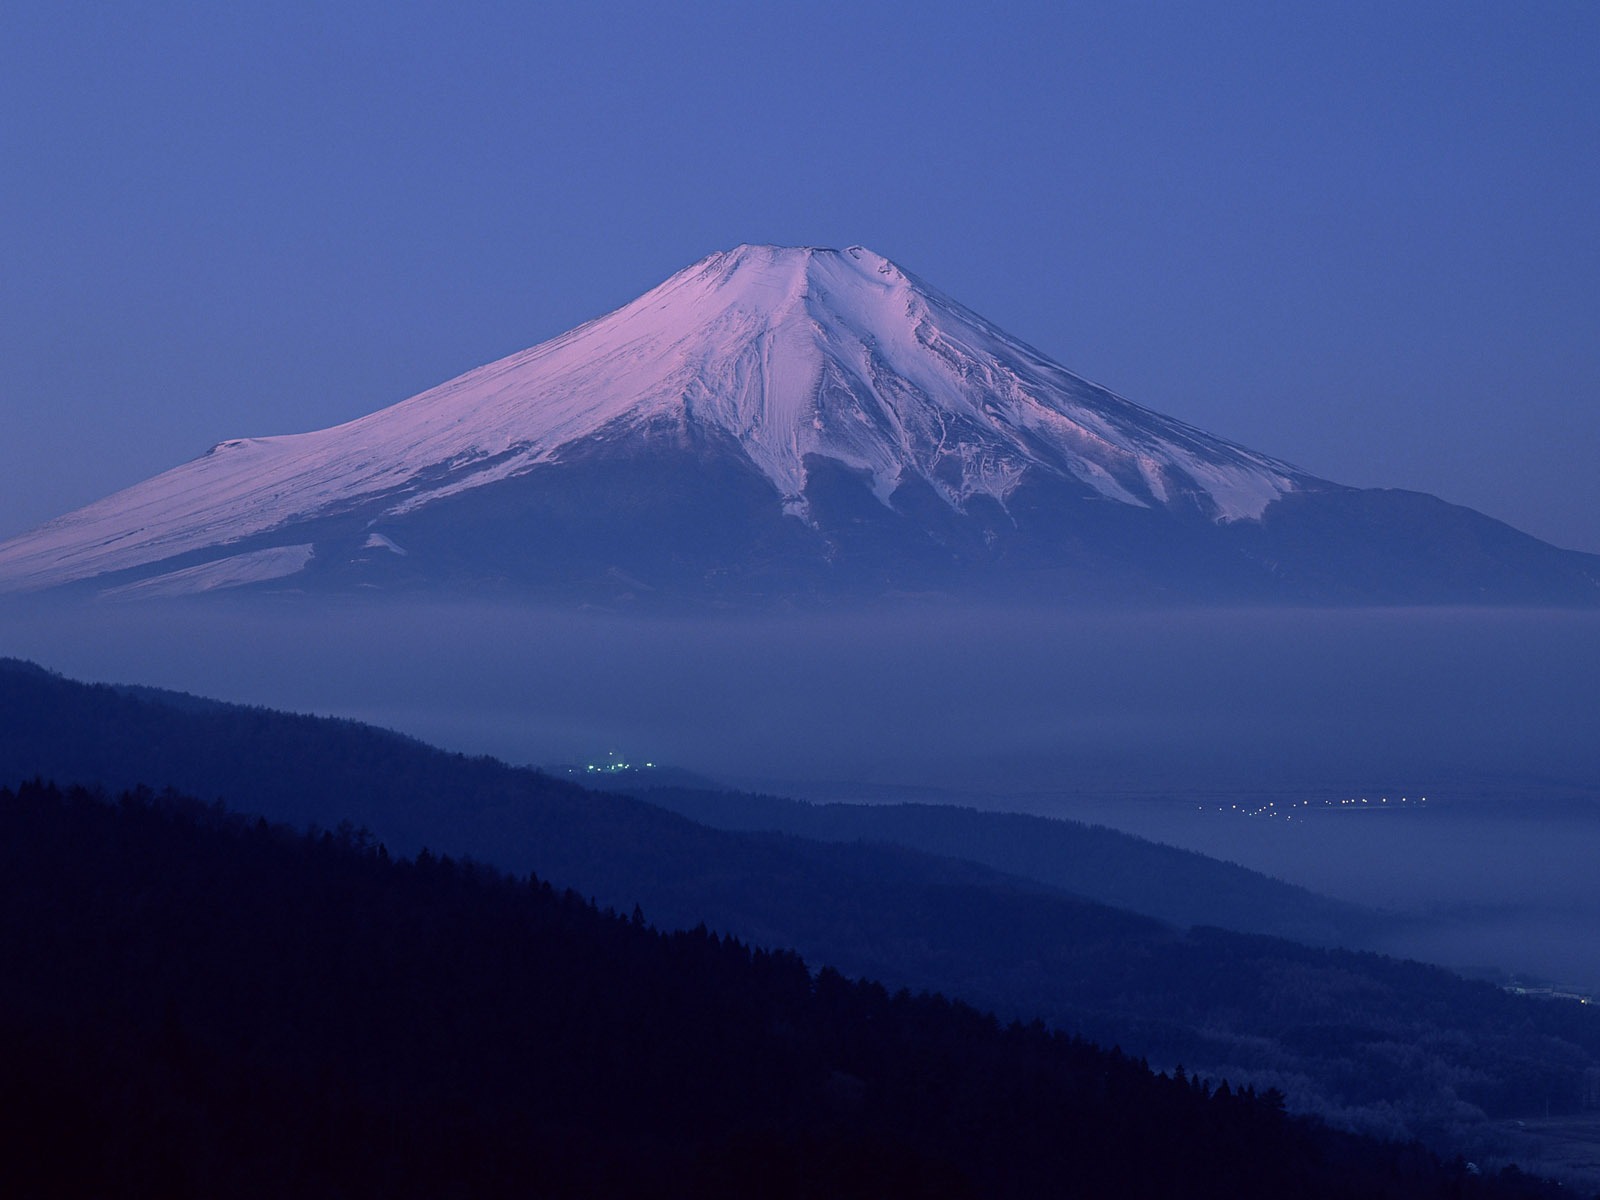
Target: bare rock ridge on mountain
{"x": 781, "y": 424}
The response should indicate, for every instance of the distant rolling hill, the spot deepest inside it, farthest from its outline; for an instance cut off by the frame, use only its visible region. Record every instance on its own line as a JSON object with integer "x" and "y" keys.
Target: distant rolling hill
{"x": 1173, "y": 885}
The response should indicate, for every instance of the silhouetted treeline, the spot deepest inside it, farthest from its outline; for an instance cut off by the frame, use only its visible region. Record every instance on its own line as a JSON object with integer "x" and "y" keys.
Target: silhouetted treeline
{"x": 197, "y": 1004}
{"x": 1372, "y": 1042}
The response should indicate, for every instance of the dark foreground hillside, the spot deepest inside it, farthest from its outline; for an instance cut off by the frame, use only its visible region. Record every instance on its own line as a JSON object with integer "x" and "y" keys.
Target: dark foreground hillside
{"x": 1371, "y": 1043}
{"x": 197, "y": 1004}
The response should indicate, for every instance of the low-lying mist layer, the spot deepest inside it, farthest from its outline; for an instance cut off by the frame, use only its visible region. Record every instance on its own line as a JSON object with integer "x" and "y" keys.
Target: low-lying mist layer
{"x": 1155, "y": 722}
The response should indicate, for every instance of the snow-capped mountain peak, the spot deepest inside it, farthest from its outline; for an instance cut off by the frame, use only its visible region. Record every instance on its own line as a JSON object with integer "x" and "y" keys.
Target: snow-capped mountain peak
{"x": 789, "y": 354}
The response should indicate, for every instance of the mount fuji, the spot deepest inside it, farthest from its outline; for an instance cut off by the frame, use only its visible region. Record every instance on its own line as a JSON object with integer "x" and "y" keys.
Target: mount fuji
{"x": 776, "y": 425}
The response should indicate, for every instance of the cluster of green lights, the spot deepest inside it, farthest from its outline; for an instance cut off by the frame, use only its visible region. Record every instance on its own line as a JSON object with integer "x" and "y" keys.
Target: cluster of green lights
{"x": 614, "y": 764}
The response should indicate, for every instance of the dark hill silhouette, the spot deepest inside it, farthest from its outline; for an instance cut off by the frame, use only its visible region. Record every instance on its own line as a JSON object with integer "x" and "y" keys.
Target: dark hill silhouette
{"x": 1177, "y": 886}
{"x": 197, "y": 1004}
{"x": 1368, "y": 1040}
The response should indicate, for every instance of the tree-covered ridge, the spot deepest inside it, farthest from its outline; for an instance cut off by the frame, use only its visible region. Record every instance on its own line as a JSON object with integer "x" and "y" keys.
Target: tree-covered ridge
{"x": 1373, "y": 1043}
{"x": 1181, "y": 887}
{"x": 201, "y": 1004}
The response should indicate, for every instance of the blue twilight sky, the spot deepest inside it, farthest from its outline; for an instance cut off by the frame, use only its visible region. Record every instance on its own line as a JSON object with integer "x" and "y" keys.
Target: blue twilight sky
{"x": 1362, "y": 237}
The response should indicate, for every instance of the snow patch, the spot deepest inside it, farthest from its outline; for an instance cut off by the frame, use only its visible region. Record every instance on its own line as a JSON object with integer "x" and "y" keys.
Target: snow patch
{"x": 376, "y": 541}
{"x": 255, "y": 566}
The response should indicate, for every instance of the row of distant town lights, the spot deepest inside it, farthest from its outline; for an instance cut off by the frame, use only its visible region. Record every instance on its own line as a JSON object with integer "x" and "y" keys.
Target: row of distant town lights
{"x": 1287, "y": 812}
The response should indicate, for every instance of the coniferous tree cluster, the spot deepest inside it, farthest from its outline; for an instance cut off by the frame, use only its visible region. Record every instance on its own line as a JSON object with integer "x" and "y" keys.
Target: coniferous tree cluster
{"x": 1370, "y": 1042}
{"x": 196, "y": 1004}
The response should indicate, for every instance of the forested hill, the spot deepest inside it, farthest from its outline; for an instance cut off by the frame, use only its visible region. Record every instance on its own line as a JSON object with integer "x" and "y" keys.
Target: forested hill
{"x": 198, "y": 1004}
{"x": 1374, "y": 1043}
{"x": 1178, "y": 886}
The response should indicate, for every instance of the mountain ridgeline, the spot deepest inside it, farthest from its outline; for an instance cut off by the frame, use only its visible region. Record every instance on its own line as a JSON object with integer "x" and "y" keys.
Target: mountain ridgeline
{"x": 1322, "y": 1026}
{"x": 781, "y": 426}
{"x": 201, "y": 1004}
{"x": 1177, "y": 886}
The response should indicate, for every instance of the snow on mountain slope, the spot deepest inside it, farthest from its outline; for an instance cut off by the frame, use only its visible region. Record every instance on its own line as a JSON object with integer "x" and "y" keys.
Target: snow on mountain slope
{"x": 790, "y": 351}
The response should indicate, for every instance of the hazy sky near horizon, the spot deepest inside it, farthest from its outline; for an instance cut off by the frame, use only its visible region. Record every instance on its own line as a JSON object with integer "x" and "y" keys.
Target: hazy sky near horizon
{"x": 1364, "y": 237}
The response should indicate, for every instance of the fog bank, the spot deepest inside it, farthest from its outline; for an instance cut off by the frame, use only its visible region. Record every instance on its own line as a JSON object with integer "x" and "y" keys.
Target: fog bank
{"x": 1140, "y": 720}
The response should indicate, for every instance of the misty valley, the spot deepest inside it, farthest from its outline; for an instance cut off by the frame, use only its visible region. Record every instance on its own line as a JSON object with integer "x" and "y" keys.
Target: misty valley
{"x": 1338, "y": 859}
